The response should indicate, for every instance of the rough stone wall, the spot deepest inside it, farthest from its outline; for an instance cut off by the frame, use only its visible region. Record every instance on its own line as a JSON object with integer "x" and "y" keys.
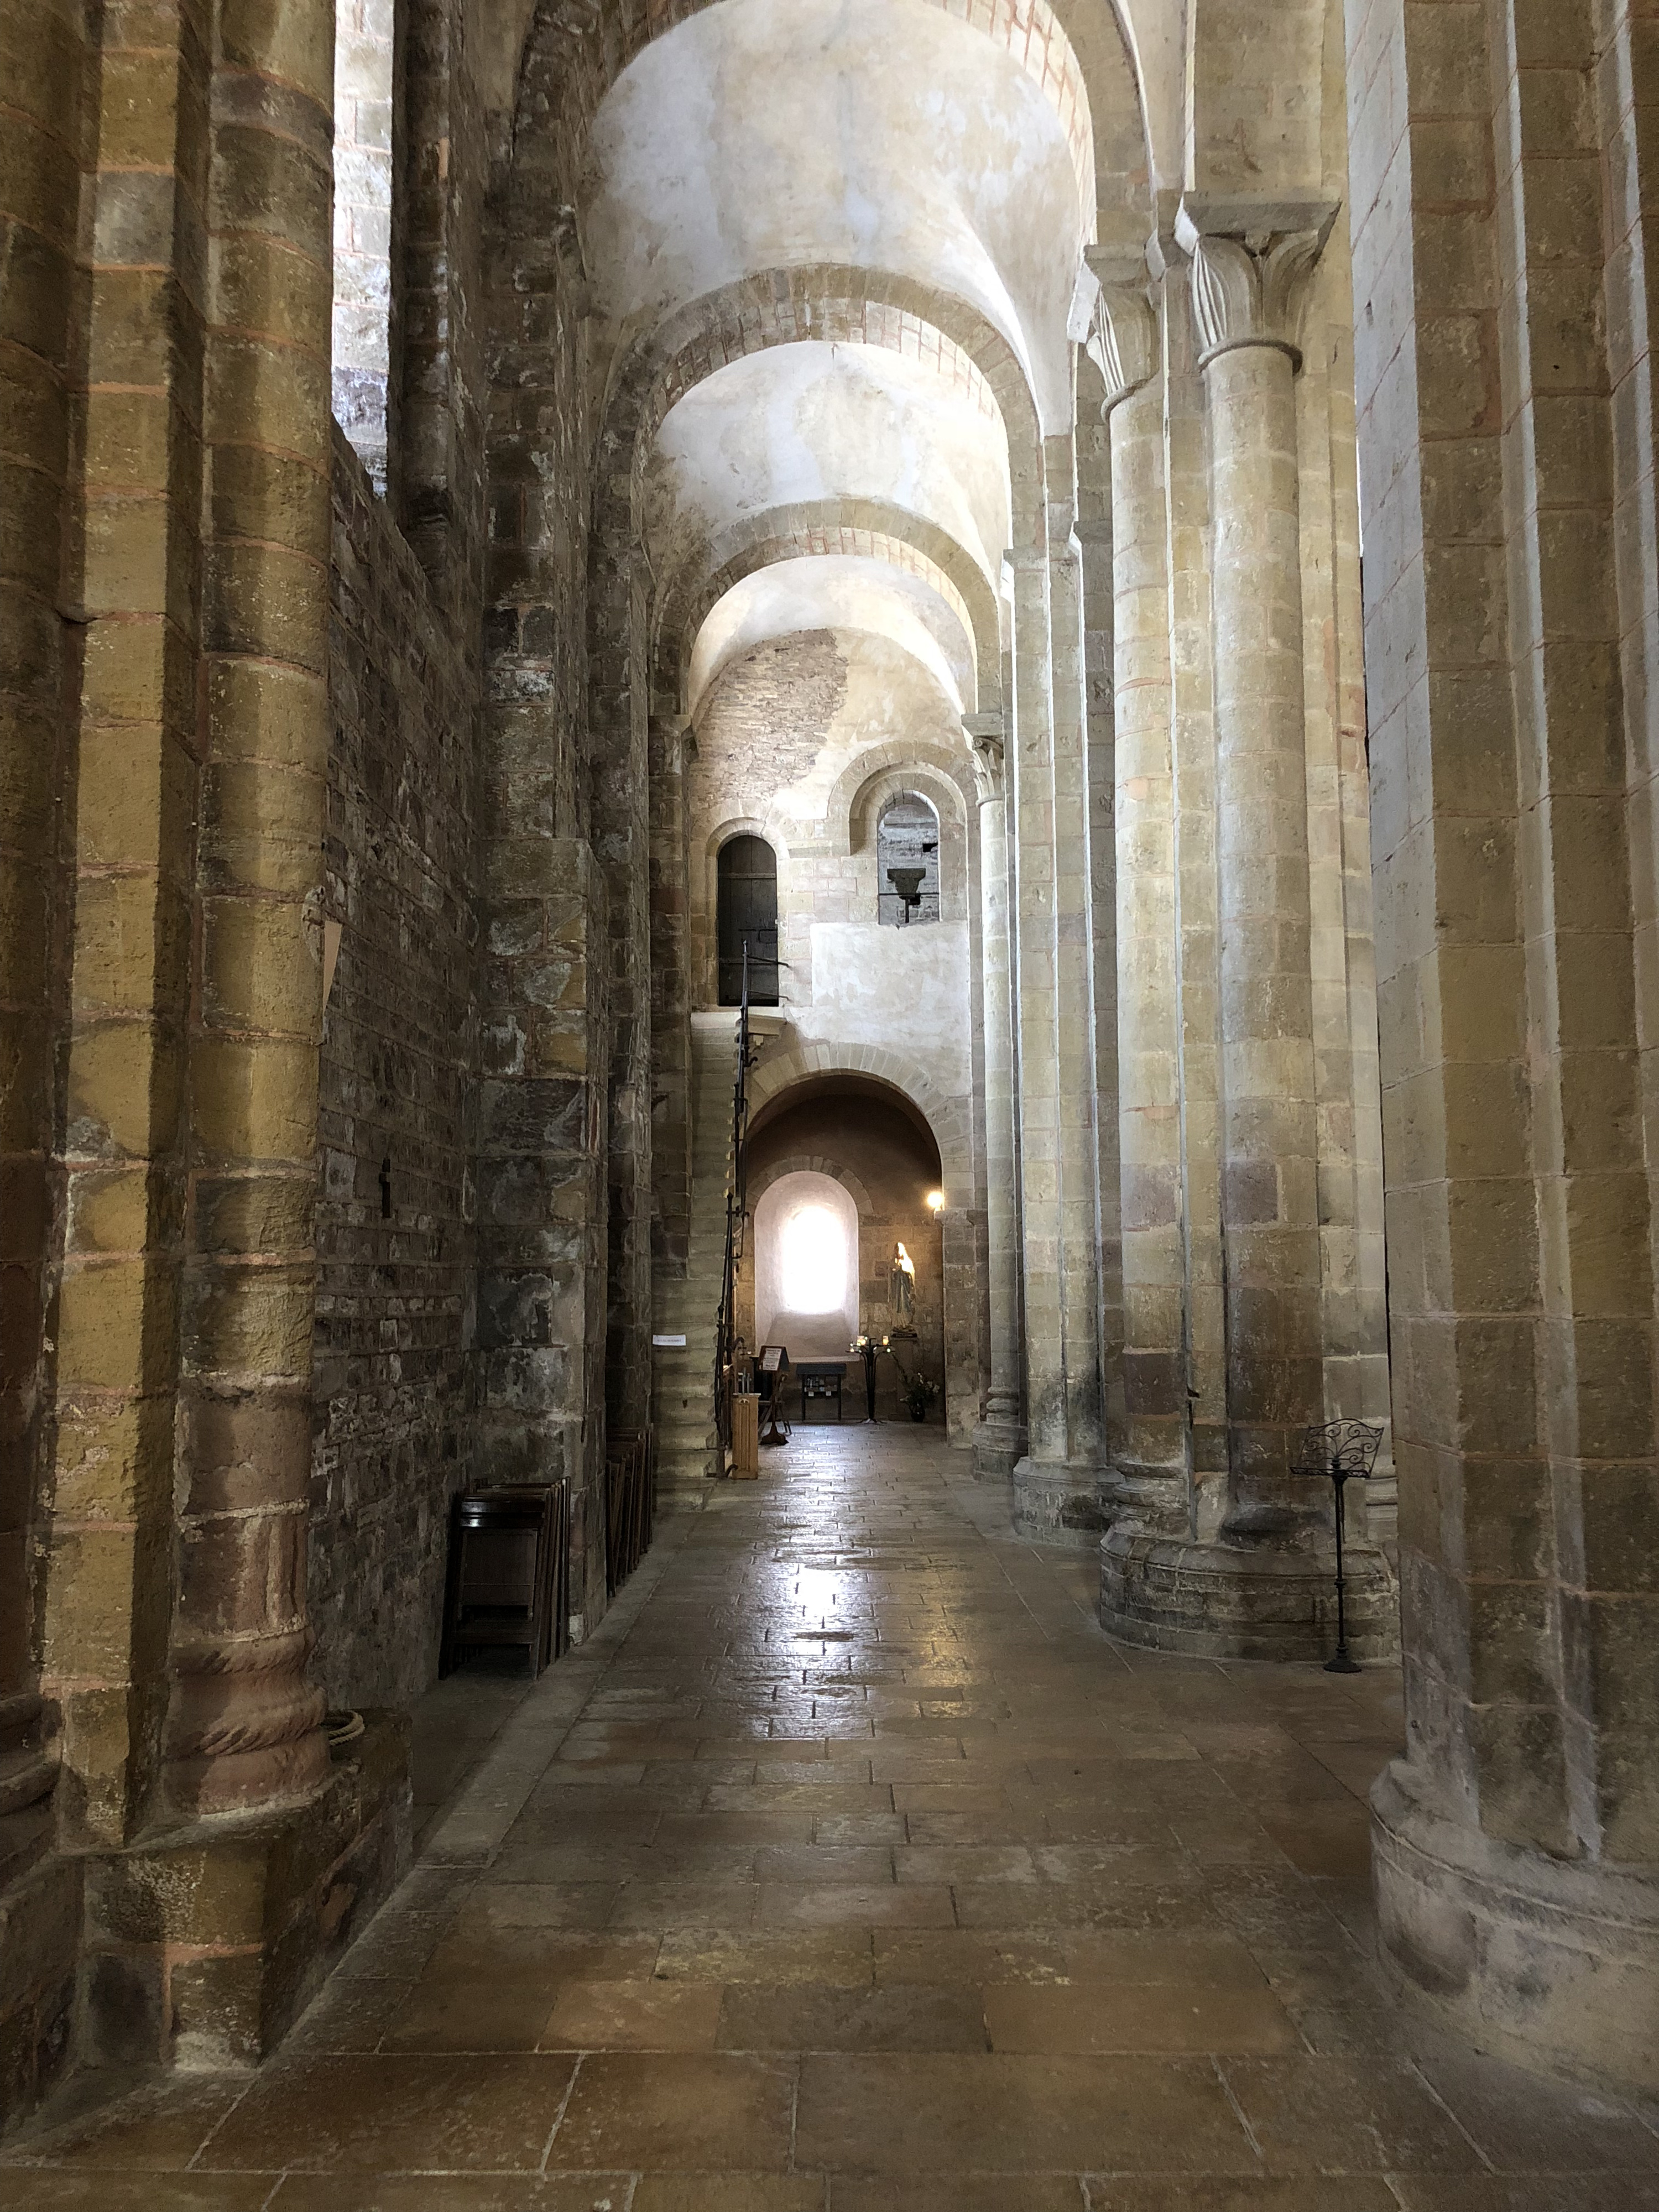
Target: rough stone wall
{"x": 395, "y": 1387}
{"x": 546, "y": 1046}
{"x": 41, "y": 124}
{"x": 442, "y": 498}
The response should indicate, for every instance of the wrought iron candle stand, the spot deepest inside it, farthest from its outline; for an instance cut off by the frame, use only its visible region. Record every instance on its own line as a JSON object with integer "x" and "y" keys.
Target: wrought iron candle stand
{"x": 1337, "y": 1450}
{"x": 866, "y": 1350}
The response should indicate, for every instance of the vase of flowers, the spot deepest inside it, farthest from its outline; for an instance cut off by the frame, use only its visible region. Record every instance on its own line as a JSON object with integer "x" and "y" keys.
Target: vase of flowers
{"x": 920, "y": 1393}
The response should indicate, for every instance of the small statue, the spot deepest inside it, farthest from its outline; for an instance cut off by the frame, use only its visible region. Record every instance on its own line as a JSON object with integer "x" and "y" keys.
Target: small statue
{"x": 902, "y": 1295}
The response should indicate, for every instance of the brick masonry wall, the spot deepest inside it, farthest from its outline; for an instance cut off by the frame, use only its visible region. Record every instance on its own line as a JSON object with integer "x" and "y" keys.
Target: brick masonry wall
{"x": 394, "y": 1373}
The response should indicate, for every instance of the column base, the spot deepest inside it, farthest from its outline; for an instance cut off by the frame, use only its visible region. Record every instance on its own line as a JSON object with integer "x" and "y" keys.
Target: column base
{"x": 1540, "y": 1961}
{"x": 1060, "y": 1502}
{"x": 203, "y": 1947}
{"x": 1242, "y": 1600}
{"x": 996, "y": 1447}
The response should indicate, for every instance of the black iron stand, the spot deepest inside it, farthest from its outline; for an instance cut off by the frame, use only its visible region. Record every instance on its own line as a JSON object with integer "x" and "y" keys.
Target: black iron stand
{"x": 868, "y": 1355}
{"x": 1343, "y": 1663}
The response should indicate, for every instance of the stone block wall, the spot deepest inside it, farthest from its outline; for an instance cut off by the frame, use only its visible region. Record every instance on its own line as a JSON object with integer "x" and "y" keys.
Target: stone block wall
{"x": 393, "y": 1369}
{"x": 43, "y": 59}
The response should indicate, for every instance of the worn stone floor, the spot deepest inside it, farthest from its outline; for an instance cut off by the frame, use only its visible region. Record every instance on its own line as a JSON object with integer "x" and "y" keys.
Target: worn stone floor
{"x": 850, "y": 1866}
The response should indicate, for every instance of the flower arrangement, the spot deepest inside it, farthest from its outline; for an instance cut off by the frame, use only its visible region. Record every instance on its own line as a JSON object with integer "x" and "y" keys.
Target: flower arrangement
{"x": 920, "y": 1393}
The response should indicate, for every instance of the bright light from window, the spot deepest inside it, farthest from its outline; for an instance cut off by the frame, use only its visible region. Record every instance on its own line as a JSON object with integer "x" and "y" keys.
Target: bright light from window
{"x": 814, "y": 1261}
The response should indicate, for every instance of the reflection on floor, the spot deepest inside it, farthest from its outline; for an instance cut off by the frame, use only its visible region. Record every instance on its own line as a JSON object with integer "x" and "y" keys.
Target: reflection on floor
{"x": 849, "y": 1866}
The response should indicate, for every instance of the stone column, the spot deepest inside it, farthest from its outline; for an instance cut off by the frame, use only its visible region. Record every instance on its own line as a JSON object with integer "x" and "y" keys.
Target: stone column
{"x": 41, "y": 134}
{"x": 1506, "y": 396}
{"x": 1150, "y": 1463}
{"x": 1077, "y": 1069}
{"x": 1056, "y": 1495}
{"x": 244, "y": 1725}
{"x": 999, "y": 1440}
{"x": 1036, "y": 1103}
{"x": 224, "y": 1855}
{"x": 1264, "y": 1588}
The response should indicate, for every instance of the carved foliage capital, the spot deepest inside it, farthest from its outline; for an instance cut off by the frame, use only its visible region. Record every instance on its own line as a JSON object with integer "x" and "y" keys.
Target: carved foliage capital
{"x": 984, "y": 735}
{"x": 1122, "y": 341}
{"x": 1250, "y": 279}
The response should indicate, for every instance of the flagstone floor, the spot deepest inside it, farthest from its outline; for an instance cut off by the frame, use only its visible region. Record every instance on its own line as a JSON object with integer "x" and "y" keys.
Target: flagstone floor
{"x": 849, "y": 1866}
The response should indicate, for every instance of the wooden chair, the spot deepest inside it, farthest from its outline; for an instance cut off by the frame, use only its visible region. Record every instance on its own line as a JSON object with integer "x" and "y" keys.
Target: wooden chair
{"x": 630, "y": 1472}
{"x": 509, "y": 1573}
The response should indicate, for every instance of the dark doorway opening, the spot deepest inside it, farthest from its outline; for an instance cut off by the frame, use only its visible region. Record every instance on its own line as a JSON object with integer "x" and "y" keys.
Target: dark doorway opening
{"x": 747, "y": 918}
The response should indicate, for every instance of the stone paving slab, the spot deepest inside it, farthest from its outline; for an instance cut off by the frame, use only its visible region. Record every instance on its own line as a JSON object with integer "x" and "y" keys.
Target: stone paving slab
{"x": 850, "y": 1868}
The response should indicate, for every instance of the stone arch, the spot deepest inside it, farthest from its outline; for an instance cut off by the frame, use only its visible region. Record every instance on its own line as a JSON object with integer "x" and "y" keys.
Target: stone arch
{"x": 573, "y": 53}
{"x": 1134, "y": 85}
{"x": 874, "y": 528}
{"x": 847, "y": 305}
{"x": 947, "y": 1118}
{"x": 747, "y": 825}
{"x": 812, "y": 1163}
{"x": 851, "y": 793}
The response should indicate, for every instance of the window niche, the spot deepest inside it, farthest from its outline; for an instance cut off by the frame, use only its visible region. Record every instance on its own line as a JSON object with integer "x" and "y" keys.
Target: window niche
{"x": 906, "y": 863}
{"x": 746, "y": 921}
{"x": 365, "y": 101}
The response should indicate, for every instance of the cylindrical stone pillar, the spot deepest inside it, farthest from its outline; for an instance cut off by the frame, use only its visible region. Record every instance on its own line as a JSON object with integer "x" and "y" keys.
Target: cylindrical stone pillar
{"x": 243, "y": 1724}
{"x": 1151, "y": 1469}
{"x": 1074, "y": 1044}
{"x": 1261, "y": 1584}
{"x": 999, "y": 1437}
{"x": 1270, "y": 1216}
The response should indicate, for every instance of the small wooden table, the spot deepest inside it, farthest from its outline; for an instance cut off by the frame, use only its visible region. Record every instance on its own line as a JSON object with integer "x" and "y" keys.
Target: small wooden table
{"x": 820, "y": 1379}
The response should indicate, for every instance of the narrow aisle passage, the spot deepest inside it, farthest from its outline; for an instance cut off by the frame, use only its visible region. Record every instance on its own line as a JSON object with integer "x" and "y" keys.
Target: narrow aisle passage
{"x": 870, "y": 1876}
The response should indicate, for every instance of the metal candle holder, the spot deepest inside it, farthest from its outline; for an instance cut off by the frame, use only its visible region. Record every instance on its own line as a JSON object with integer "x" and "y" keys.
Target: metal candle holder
{"x": 1337, "y": 1450}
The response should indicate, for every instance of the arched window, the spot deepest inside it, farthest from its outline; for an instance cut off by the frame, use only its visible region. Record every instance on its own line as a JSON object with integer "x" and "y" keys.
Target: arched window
{"x": 906, "y": 863}
{"x": 364, "y": 85}
{"x": 748, "y": 920}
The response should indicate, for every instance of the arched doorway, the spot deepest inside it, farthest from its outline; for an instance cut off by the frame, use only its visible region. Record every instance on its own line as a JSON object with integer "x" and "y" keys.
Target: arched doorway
{"x": 856, "y": 1146}
{"x": 747, "y": 921}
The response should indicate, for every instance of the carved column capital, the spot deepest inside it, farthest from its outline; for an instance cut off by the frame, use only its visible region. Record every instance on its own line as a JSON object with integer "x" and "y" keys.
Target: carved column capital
{"x": 1251, "y": 264}
{"x": 1123, "y": 339}
{"x": 984, "y": 734}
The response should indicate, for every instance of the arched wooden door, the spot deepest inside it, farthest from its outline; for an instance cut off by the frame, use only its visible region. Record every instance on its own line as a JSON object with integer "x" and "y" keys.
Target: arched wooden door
{"x": 747, "y": 918}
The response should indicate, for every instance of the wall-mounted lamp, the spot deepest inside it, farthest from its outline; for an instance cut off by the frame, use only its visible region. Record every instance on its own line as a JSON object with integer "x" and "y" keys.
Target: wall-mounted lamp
{"x": 936, "y": 1200}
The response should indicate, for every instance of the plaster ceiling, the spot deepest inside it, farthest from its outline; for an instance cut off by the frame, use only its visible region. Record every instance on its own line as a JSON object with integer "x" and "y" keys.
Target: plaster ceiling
{"x": 879, "y": 134}
{"x": 834, "y": 591}
{"x": 799, "y": 425}
{"x": 948, "y": 149}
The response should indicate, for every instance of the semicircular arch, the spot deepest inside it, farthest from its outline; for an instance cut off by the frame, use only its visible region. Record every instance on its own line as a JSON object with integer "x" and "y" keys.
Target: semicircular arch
{"x": 863, "y": 529}
{"x": 947, "y": 1118}
{"x": 842, "y": 305}
{"x": 810, "y": 1163}
{"x": 572, "y": 54}
{"x": 869, "y": 774}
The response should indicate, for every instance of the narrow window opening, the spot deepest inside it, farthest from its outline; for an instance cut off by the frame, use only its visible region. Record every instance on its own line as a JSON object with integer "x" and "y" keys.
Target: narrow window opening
{"x": 906, "y": 863}
{"x": 814, "y": 1261}
{"x": 364, "y": 103}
